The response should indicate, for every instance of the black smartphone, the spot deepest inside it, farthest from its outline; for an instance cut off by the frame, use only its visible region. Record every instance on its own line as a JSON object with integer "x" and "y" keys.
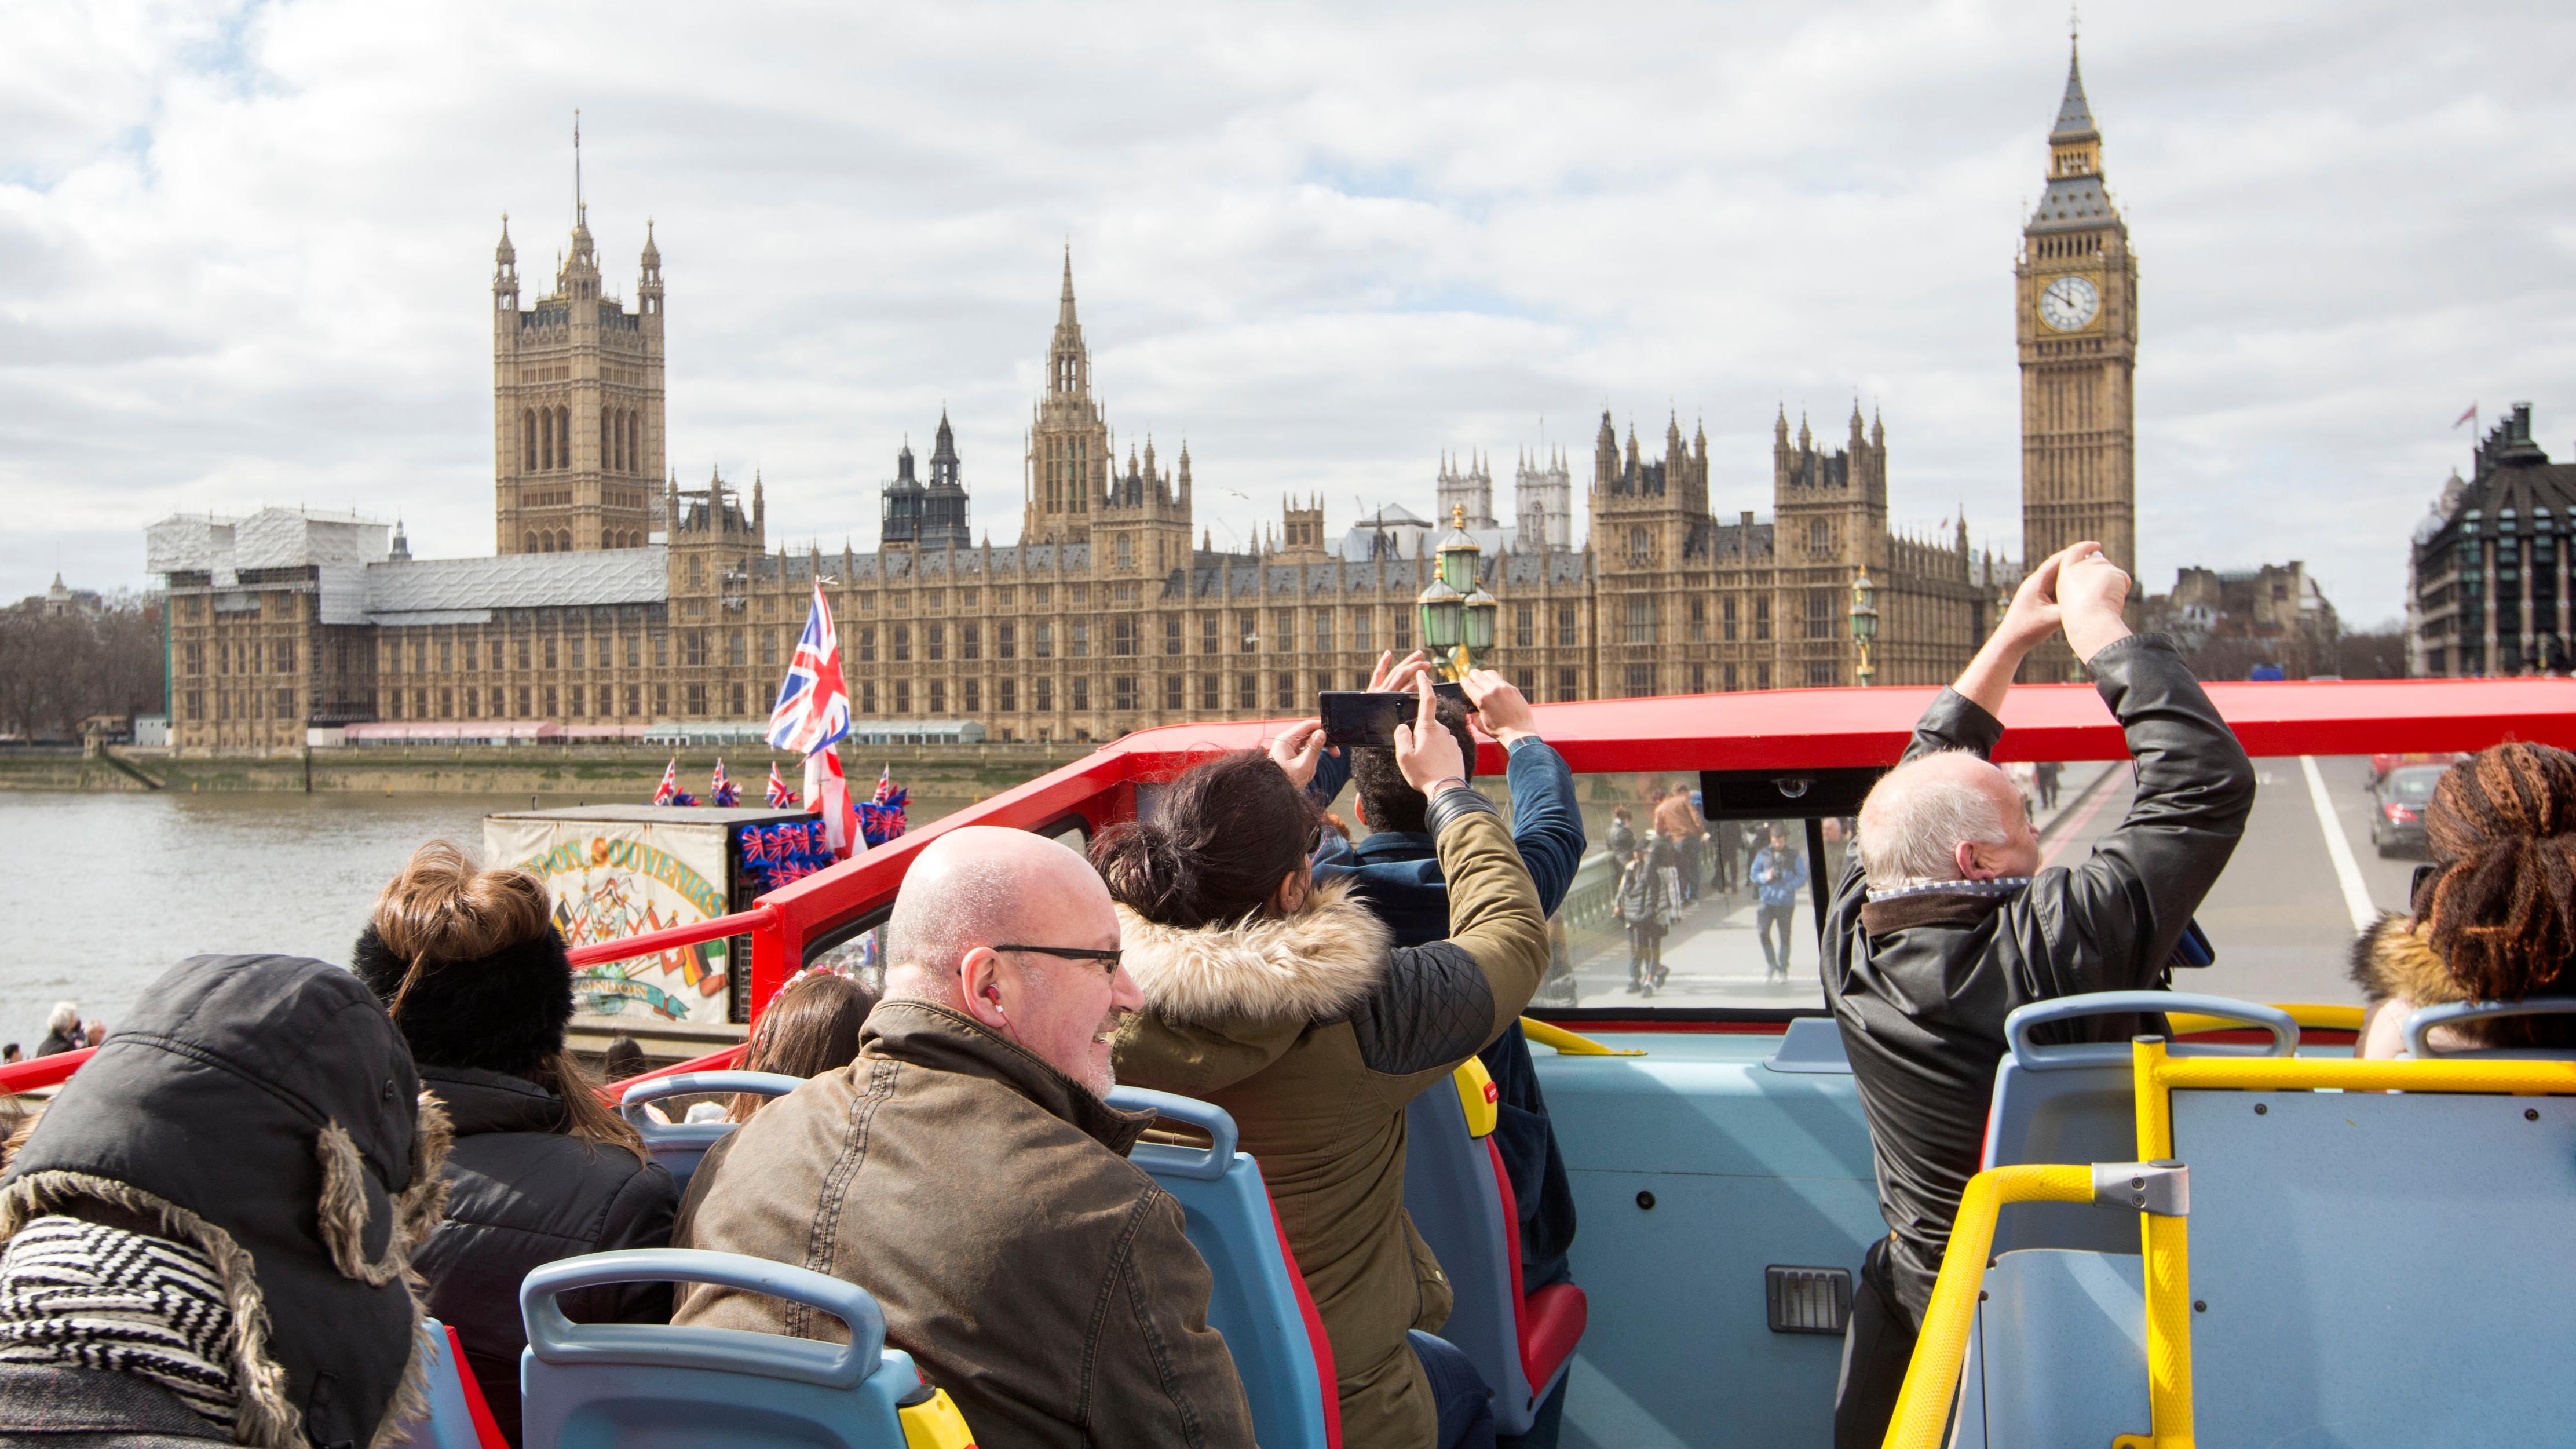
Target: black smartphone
{"x": 1361, "y": 717}
{"x": 2194, "y": 948}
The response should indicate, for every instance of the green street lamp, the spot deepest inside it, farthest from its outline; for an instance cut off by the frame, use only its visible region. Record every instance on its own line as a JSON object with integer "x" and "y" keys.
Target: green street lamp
{"x": 1457, "y": 614}
{"x": 1864, "y": 621}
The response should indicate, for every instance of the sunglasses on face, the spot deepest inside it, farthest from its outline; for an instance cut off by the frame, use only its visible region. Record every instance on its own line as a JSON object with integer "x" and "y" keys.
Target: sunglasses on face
{"x": 1108, "y": 959}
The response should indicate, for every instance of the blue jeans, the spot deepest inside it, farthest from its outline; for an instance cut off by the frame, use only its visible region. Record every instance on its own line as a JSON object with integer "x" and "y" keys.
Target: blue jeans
{"x": 1466, "y": 1405}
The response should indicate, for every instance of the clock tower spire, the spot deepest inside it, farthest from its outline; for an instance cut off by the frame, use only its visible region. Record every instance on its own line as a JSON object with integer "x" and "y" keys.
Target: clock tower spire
{"x": 2075, "y": 303}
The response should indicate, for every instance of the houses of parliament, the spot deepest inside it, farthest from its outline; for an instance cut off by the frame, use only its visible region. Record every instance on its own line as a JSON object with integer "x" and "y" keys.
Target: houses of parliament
{"x": 617, "y": 596}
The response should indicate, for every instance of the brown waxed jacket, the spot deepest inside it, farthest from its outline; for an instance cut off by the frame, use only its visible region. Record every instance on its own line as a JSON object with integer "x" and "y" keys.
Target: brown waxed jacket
{"x": 984, "y": 1198}
{"x": 1314, "y": 1032}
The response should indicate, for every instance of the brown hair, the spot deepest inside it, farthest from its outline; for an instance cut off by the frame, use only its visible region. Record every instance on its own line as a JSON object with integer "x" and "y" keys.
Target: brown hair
{"x": 1220, "y": 841}
{"x": 2501, "y": 907}
{"x": 439, "y": 908}
{"x": 810, "y": 1027}
{"x": 1388, "y": 801}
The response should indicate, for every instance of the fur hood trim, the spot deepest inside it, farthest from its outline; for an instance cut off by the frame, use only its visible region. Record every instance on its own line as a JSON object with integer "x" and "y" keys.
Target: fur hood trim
{"x": 1317, "y": 965}
{"x": 265, "y": 1414}
{"x": 2394, "y": 960}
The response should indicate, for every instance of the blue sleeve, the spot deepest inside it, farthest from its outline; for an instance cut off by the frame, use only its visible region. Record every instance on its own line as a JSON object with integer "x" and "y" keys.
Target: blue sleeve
{"x": 1547, "y": 826}
{"x": 1332, "y": 772}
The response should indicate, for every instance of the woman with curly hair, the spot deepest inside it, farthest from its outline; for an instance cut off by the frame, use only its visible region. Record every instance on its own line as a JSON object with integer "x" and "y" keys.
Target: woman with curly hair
{"x": 2495, "y": 918}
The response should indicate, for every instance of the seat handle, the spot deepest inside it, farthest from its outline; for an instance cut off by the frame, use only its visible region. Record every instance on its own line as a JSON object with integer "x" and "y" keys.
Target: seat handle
{"x": 685, "y": 1084}
{"x": 2419, "y": 1026}
{"x": 2033, "y": 1057}
{"x": 556, "y": 1339}
{"x": 1189, "y": 1162}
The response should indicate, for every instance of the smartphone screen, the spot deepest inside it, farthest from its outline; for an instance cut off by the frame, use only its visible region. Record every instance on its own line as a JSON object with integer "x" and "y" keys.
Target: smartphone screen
{"x": 1363, "y": 717}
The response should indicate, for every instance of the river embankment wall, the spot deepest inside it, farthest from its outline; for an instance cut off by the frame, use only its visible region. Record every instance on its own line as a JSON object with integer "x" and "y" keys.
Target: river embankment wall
{"x": 945, "y": 776}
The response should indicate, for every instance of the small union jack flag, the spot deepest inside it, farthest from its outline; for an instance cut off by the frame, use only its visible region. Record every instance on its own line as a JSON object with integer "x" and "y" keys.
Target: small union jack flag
{"x": 721, "y": 791}
{"x": 813, "y": 709}
{"x": 780, "y": 797}
{"x": 668, "y": 792}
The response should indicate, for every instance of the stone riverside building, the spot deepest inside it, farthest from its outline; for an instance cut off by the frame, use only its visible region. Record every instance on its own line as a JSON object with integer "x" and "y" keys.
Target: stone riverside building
{"x": 2487, "y": 576}
{"x": 613, "y": 601}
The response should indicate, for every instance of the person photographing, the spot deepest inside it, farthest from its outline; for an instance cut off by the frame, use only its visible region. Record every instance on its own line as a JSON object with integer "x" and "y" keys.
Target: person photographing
{"x": 1944, "y": 922}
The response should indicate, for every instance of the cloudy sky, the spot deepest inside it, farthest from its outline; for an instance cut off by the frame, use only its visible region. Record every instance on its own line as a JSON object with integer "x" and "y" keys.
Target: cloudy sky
{"x": 245, "y": 250}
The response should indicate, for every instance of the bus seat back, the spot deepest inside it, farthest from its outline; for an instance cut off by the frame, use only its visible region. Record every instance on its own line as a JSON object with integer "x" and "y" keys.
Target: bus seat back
{"x": 678, "y": 1146}
{"x": 1460, "y": 1200}
{"x": 659, "y": 1386}
{"x": 2078, "y": 1103}
{"x": 2061, "y": 1353}
{"x": 2381, "y": 1267}
{"x": 452, "y": 1421}
{"x": 1255, "y": 1299}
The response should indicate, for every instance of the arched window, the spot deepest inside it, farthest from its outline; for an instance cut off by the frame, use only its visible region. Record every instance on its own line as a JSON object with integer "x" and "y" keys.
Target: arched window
{"x": 563, "y": 437}
{"x": 563, "y": 540}
{"x": 545, "y": 438}
{"x": 529, "y": 544}
{"x": 634, "y": 440}
{"x": 607, "y": 444}
{"x": 528, "y": 438}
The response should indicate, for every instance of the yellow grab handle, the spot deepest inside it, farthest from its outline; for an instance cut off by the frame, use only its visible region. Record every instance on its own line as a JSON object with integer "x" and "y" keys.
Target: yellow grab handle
{"x": 1478, "y": 1095}
{"x": 1570, "y": 1044}
{"x": 934, "y": 1423}
{"x": 1923, "y": 1406}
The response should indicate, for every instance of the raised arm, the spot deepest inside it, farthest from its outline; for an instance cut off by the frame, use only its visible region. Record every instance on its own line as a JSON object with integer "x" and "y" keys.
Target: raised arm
{"x": 1547, "y": 825}
{"x": 2130, "y": 900}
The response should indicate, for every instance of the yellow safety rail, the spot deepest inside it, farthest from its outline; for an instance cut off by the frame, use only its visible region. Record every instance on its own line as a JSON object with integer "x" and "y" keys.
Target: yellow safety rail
{"x": 1931, "y": 1380}
{"x": 2321, "y": 1015}
{"x": 1569, "y": 1043}
{"x": 1923, "y": 1406}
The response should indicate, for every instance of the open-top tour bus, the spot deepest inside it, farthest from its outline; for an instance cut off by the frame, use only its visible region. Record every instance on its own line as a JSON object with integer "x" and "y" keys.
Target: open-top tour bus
{"x": 2241, "y": 1236}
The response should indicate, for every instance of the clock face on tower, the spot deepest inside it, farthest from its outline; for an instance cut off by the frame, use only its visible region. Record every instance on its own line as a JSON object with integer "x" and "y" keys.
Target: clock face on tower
{"x": 2069, "y": 303}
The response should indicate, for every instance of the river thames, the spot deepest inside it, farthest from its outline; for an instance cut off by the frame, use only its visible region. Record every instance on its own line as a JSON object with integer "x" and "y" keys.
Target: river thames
{"x": 105, "y": 892}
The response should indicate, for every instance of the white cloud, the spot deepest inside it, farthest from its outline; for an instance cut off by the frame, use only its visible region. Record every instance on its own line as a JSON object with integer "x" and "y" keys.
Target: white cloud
{"x": 244, "y": 249}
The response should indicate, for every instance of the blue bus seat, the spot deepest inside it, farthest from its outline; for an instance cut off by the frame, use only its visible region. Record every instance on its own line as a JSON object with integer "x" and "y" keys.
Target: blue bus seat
{"x": 2379, "y": 1267}
{"x": 1460, "y": 1199}
{"x": 2419, "y": 1027}
{"x": 2077, "y": 1103}
{"x": 656, "y": 1386}
{"x": 679, "y": 1145}
{"x": 1258, "y": 1299}
{"x": 457, "y": 1418}
{"x": 2060, "y": 1350}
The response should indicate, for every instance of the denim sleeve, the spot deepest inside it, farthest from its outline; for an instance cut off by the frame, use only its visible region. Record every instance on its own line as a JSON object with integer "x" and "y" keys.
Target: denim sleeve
{"x": 1547, "y": 826}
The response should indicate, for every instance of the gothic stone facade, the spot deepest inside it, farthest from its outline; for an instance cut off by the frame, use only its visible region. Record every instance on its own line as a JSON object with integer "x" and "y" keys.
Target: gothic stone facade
{"x": 2488, "y": 573}
{"x": 1103, "y": 618}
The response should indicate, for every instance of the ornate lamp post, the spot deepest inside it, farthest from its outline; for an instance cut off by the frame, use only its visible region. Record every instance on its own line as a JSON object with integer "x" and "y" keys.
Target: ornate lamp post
{"x": 1864, "y": 621}
{"x": 1457, "y": 614}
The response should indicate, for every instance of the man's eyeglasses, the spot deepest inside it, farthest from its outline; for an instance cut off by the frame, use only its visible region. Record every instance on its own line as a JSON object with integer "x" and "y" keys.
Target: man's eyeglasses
{"x": 1108, "y": 959}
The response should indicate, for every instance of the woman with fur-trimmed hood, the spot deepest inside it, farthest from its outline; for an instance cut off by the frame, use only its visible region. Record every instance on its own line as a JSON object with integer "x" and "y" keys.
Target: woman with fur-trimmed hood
{"x": 1287, "y": 1005}
{"x": 2496, "y": 920}
{"x": 473, "y": 971}
{"x": 208, "y": 1234}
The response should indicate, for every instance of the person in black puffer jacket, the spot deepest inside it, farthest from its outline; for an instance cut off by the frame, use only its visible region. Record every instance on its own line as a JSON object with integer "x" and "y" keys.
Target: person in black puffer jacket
{"x": 474, "y": 973}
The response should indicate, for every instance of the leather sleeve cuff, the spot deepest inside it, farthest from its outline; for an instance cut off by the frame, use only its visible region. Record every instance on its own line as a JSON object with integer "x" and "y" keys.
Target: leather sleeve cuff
{"x": 1454, "y": 805}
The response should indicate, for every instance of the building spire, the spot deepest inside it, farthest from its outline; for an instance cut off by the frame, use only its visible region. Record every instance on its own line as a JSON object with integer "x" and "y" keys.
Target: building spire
{"x": 580, "y": 212}
{"x": 1064, "y": 304}
{"x": 2074, "y": 113}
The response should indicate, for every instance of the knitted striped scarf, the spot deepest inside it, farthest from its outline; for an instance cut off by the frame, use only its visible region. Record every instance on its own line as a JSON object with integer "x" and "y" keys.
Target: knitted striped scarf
{"x": 82, "y": 1295}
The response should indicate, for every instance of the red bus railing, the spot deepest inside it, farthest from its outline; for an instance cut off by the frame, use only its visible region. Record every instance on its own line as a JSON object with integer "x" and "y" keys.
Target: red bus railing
{"x": 1788, "y": 729}
{"x": 38, "y": 1073}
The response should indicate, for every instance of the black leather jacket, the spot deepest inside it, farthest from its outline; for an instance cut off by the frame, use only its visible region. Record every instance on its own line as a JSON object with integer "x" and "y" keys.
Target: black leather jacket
{"x": 520, "y": 1195}
{"x": 1922, "y": 1002}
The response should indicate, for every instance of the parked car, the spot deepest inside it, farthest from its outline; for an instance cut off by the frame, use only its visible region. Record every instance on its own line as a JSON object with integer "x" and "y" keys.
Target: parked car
{"x": 2397, "y": 822}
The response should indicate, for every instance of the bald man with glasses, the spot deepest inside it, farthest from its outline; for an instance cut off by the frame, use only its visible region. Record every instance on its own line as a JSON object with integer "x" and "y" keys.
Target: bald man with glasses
{"x": 967, "y": 1172}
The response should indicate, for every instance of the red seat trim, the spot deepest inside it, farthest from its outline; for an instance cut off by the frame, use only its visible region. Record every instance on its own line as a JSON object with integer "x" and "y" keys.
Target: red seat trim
{"x": 487, "y": 1430}
{"x": 1321, "y": 1342}
{"x": 1546, "y": 1324}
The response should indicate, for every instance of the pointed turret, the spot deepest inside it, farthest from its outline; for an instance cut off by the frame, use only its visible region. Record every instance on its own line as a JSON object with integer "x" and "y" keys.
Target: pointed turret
{"x": 1068, "y": 361}
{"x": 1780, "y": 426}
{"x": 2074, "y": 113}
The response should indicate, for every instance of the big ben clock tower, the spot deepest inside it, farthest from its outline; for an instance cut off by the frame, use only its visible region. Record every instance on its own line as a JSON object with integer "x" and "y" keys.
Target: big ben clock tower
{"x": 2075, "y": 302}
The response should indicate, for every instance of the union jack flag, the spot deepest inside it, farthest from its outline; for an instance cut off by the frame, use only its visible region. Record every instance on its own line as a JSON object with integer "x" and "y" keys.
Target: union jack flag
{"x": 813, "y": 709}
{"x": 668, "y": 792}
{"x": 721, "y": 791}
{"x": 780, "y": 797}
